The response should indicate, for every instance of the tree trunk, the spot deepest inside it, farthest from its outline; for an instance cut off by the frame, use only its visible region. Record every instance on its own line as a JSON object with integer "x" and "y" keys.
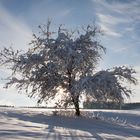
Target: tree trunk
{"x": 75, "y": 99}
{"x": 77, "y": 113}
{"x": 76, "y": 105}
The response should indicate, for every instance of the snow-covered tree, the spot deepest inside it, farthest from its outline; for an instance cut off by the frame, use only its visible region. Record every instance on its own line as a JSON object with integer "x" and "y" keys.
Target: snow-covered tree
{"x": 65, "y": 60}
{"x": 108, "y": 85}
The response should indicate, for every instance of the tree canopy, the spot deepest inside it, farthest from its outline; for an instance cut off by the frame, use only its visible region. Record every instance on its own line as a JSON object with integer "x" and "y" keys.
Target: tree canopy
{"x": 65, "y": 60}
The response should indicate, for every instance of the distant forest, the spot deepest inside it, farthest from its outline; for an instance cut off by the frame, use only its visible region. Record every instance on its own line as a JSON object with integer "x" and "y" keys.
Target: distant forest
{"x": 111, "y": 105}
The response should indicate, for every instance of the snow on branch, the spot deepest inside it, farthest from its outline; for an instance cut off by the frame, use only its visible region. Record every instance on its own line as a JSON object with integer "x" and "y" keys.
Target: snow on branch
{"x": 107, "y": 85}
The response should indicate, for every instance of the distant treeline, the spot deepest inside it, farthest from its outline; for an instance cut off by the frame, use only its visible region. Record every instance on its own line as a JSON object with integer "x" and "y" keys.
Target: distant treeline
{"x": 6, "y": 106}
{"x": 36, "y": 107}
{"x": 111, "y": 105}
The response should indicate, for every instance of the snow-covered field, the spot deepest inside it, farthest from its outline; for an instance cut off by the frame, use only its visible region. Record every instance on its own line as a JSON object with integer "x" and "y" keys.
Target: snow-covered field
{"x": 40, "y": 124}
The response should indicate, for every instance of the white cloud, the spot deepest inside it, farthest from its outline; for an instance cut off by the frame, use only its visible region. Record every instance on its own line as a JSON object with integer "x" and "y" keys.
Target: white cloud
{"x": 120, "y": 20}
{"x": 109, "y": 19}
{"x": 13, "y": 31}
{"x": 64, "y": 13}
{"x": 16, "y": 32}
{"x": 109, "y": 31}
{"x": 118, "y": 16}
{"x": 125, "y": 8}
{"x": 129, "y": 29}
{"x": 120, "y": 49}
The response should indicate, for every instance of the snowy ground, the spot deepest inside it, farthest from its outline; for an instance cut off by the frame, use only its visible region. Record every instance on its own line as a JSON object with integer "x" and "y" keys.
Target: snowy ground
{"x": 40, "y": 124}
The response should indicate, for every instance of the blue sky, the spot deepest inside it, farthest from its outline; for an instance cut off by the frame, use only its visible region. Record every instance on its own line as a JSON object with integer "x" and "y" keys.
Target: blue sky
{"x": 119, "y": 19}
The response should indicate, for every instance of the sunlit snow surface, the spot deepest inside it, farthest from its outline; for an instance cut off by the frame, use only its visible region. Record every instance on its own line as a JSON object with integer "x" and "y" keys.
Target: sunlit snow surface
{"x": 40, "y": 124}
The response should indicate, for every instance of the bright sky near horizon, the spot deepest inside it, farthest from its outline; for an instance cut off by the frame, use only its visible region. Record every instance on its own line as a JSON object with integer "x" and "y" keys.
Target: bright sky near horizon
{"x": 120, "y": 20}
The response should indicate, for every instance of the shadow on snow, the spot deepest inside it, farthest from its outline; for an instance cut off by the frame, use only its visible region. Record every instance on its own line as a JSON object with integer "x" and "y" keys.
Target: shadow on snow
{"x": 91, "y": 126}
